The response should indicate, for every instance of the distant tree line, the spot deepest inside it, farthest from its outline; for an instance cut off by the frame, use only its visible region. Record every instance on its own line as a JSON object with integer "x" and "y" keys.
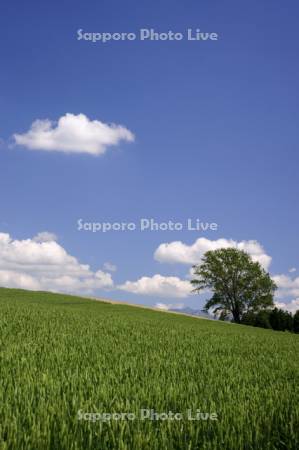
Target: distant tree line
{"x": 275, "y": 319}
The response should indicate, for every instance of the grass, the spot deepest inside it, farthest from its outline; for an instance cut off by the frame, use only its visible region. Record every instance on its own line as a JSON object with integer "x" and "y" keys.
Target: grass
{"x": 60, "y": 354}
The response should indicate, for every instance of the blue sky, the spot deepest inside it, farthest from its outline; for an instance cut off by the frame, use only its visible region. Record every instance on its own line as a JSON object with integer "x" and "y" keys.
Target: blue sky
{"x": 215, "y": 126}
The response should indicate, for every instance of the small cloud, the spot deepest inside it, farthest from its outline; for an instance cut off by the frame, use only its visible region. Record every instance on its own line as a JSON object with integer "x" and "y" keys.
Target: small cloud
{"x": 169, "y": 306}
{"x": 110, "y": 267}
{"x": 190, "y": 275}
{"x": 73, "y": 134}
{"x": 159, "y": 286}
{"x": 45, "y": 236}
{"x": 292, "y": 269}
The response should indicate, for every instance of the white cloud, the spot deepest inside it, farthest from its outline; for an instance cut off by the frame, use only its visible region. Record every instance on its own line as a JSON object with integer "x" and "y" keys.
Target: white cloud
{"x": 292, "y": 306}
{"x": 45, "y": 236}
{"x": 73, "y": 134}
{"x": 190, "y": 275}
{"x": 158, "y": 285}
{"x": 109, "y": 267}
{"x": 292, "y": 269}
{"x": 40, "y": 264}
{"x": 168, "y": 306}
{"x": 287, "y": 286}
{"x": 178, "y": 252}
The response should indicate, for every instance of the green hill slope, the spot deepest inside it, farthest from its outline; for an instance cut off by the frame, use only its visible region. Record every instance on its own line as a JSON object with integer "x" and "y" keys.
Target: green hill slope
{"x": 65, "y": 361}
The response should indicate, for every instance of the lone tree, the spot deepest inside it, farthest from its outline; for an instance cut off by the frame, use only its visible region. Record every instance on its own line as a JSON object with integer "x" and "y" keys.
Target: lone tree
{"x": 238, "y": 284}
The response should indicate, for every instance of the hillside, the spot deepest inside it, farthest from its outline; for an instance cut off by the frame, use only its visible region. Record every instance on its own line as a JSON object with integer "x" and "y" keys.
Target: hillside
{"x": 66, "y": 360}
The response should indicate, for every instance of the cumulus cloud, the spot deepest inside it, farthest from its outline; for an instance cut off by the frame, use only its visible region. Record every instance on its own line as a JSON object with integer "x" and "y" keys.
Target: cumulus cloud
{"x": 73, "y": 134}
{"x": 292, "y": 306}
{"x": 43, "y": 264}
{"x": 158, "y": 285}
{"x": 287, "y": 286}
{"x": 169, "y": 306}
{"x": 109, "y": 267}
{"x": 292, "y": 269}
{"x": 178, "y": 252}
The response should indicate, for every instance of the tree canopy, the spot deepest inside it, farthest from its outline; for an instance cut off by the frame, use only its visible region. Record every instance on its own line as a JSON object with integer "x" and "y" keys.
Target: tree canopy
{"x": 238, "y": 284}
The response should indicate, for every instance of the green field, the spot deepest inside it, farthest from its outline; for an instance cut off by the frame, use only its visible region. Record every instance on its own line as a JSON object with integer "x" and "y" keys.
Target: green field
{"x": 61, "y": 354}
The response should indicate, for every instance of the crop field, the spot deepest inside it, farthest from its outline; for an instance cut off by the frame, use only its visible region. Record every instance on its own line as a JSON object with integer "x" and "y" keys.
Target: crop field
{"x": 82, "y": 374}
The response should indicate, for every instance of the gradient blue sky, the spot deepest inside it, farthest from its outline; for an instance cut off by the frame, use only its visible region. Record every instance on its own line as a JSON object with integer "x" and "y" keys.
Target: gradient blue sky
{"x": 216, "y": 127}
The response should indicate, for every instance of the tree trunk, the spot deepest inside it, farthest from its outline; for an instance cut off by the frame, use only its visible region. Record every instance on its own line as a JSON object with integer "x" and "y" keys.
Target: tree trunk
{"x": 236, "y": 316}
